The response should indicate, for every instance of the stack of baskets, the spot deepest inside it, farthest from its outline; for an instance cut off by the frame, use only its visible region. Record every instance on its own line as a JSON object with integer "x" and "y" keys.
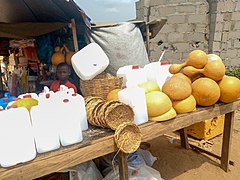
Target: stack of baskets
{"x": 101, "y": 85}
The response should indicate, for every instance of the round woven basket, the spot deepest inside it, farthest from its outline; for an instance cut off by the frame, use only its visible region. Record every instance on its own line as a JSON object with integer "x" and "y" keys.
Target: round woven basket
{"x": 127, "y": 137}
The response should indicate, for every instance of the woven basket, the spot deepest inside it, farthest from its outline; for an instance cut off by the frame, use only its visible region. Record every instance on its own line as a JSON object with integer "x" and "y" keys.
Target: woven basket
{"x": 101, "y": 85}
{"x": 127, "y": 137}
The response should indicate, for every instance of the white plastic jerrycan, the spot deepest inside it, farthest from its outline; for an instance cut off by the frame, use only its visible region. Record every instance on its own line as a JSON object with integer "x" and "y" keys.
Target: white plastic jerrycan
{"x": 132, "y": 74}
{"x": 157, "y": 72}
{"x": 16, "y": 137}
{"x": 28, "y": 95}
{"x": 89, "y": 61}
{"x": 135, "y": 98}
{"x": 70, "y": 131}
{"x": 45, "y": 122}
{"x": 78, "y": 106}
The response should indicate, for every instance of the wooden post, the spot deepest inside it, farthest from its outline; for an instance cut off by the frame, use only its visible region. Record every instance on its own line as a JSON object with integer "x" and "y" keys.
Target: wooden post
{"x": 123, "y": 166}
{"x": 74, "y": 34}
{"x": 184, "y": 138}
{"x": 227, "y": 138}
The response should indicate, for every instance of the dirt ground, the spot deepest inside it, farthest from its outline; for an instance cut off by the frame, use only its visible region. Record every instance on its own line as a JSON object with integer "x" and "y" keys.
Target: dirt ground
{"x": 177, "y": 163}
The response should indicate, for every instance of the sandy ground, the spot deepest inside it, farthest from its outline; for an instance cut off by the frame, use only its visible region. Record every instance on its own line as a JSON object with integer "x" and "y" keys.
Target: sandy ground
{"x": 175, "y": 162}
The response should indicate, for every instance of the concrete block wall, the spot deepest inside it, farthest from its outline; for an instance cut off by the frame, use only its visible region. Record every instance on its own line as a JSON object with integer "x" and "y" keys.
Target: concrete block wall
{"x": 226, "y": 31}
{"x": 209, "y": 25}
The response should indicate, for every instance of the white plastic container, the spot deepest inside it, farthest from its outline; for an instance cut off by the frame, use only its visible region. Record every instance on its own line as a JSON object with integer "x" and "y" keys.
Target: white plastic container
{"x": 157, "y": 72}
{"x": 16, "y": 137}
{"x": 132, "y": 75}
{"x": 89, "y": 61}
{"x": 79, "y": 107}
{"x": 45, "y": 122}
{"x": 70, "y": 131}
{"x": 136, "y": 99}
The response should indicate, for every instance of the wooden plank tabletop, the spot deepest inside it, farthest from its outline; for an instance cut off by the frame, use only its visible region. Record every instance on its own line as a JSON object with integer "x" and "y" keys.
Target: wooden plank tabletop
{"x": 99, "y": 142}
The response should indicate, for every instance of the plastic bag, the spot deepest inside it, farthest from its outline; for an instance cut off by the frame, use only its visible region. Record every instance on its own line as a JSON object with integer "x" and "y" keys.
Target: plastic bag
{"x": 85, "y": 171}
{"x": 146, "y": 155}
{"x": 143, "y": 172}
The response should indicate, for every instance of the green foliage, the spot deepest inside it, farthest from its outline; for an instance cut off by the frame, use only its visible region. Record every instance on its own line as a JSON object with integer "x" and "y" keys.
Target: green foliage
{"x": 233, "y": 71}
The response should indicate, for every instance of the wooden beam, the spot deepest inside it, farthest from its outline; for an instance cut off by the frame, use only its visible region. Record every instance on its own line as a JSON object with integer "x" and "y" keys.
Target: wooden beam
{"x": 184, "y": 138}
{"x": 74, "y": 34}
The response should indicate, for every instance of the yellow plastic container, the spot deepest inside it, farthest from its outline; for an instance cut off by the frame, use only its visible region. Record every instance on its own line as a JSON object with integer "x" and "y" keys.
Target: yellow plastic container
{"x": 207, "y": 129}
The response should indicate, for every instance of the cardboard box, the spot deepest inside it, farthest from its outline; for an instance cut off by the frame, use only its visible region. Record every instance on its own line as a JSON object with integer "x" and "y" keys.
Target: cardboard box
{"x": 207, "y": 129}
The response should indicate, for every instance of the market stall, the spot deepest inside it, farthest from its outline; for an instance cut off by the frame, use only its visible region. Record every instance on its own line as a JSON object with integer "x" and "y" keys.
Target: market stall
{"x": 95, "y": 139}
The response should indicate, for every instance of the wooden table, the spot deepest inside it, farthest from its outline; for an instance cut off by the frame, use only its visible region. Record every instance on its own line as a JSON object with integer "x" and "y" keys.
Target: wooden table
{"x": 98, "y": 142}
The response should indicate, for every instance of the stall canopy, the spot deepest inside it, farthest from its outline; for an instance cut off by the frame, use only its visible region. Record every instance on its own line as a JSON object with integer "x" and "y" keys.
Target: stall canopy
{"x": 29, "y": 18}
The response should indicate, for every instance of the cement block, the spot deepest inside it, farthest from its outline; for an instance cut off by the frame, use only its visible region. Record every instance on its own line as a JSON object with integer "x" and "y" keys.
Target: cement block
{"x": 175, "y": 37}
{"x": 166, "y": 11}
{"x": 176, "y": 19}
{"x": 182, "y": 28}
{"x": 219, "y": 18}
{"x": 217, "y": 36}
{"x": 231, "y": 53}
{"x": 227, "y": 16}
{"x": 236, "y": 43}
{"x": 168, "y": 28}
{"x": 197, "y": 18}
{"x": 182, "y": 47}
{"x": 225, "y": 36}
{"x": 236, "y": 25}
{"x": 219, "y": 26}
{"x": 236, "y": 16}
{"x": 158, "y": 2}
{"x": 227, "y": 26}
{"x": 234, "y": 34}
{"x": 216, "y": 46}
{"x": 186, "y": 9}
{"x": 203, "y": 8}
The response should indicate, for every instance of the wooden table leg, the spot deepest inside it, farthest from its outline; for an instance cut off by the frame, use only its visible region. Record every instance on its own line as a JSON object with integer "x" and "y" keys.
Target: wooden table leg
{"x": 184, "y": 138}
{"x": 226, "y": 143}
{"x": 123, "y": 165}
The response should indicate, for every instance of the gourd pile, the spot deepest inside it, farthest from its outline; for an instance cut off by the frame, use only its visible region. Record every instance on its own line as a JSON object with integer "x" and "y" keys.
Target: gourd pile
{"x": 199, "y": 81}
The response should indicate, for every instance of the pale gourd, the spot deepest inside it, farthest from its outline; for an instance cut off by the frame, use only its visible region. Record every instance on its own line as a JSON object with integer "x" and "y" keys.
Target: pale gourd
{"x": 214, "y": 70}
{"x": 58, "y": 57}
{"x": 206, "y": 91}
{"x": 158, "y": 103}
{"x": 149, "y": 86}
{"x": 185, "y": 105}
{"x": 213, "y": 57}
{"x": 230, "y": 89}
{"x": 196, "y": 58}
{"x": 166, "y": 116}
{"x": 177, "y": 88}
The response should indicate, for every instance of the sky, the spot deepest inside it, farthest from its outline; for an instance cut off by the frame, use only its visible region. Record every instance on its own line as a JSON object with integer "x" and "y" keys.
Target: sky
{"x": 108, "y": 10}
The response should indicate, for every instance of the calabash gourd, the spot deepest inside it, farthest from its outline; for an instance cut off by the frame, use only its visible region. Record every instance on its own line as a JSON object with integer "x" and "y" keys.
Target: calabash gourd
{"x": 206, "y": 91}
{"x": 185, "y": 105}
{"x": 158, "y": 103}
{"x": 166, "y": 116}
{"x": 214, "y": 70}
{"x": 213, "y": 57}
{"x": 230, "y": 89}
{"x": 181, "y": 75}
{"x": 58, "y": 57}
{"x": 196, "y": 58}
{"x": 68, "y": 55}
{"x": 177, "y": 88}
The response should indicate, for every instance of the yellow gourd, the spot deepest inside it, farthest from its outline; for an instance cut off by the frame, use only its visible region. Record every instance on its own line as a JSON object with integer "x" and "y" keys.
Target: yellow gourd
{"x": 230, "y": 89}
{"x": 196, "y": 58}
{"x": 58, "y": 57}
{"x": 214, "y": 70}
{"x": 158, "y": 103}
{"x": 166, "y": 116}
{"x": 206, "y": 91}
{"x": 185, "y": 105}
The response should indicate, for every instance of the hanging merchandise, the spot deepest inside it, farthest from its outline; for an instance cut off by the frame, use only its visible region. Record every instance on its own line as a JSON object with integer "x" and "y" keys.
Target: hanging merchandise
{"x": 44, "y": 47}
